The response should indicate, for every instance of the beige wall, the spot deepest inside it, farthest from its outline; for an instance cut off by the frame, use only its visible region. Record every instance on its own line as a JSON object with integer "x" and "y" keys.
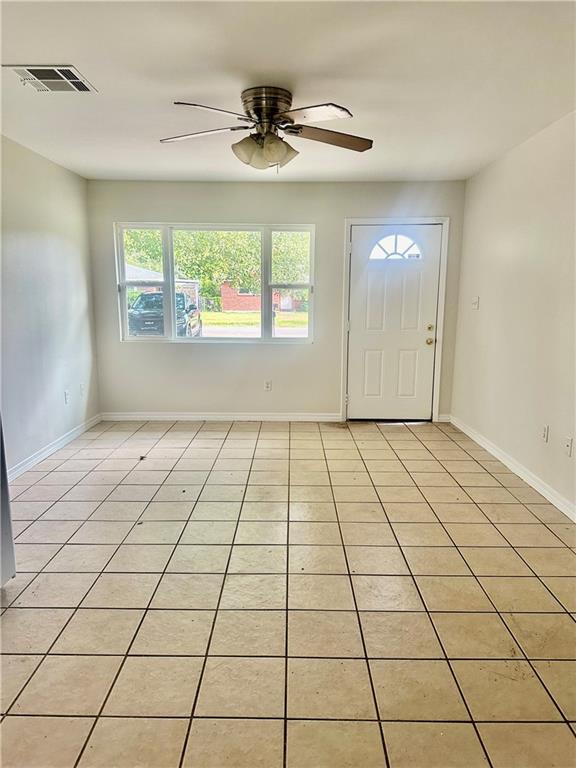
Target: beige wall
{"x": 514, "y": 365}
{"x": 47, "y": 329}
{"x": 229, "y": 378}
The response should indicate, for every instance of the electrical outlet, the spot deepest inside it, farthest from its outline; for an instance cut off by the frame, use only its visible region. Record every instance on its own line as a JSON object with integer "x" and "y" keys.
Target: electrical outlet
{"x": 268, "y": 386}
{"x": 66, "y": 397}
{"x": 568, "y": 446}
{"x": 545, "y": 434}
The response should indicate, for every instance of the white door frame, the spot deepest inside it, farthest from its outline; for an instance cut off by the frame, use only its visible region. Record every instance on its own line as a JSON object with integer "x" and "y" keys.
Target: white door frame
{"x": 444, "y": 221}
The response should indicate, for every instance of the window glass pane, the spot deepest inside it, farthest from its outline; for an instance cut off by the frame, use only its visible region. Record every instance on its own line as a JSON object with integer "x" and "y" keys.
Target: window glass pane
{"x": 290, "y": 257}
{"x": 143, "y": 254}
{"x": 225, "y": 266}
{"x": 186, "y": 302}
{"x": 290, "y": 312}
{"x": 145, "y": 310}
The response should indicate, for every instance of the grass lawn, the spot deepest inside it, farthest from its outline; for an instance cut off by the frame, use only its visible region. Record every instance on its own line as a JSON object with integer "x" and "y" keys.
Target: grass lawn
{"x": 283, "y": 319}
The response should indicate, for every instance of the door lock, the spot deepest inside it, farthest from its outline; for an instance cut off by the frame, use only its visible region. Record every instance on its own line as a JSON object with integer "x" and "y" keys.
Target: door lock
{"x": 430, "y": 327}
{"x": 429, "y": 341}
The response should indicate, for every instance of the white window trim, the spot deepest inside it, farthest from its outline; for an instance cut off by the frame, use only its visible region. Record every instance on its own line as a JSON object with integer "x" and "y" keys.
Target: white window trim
{"x": 167, "y": 284}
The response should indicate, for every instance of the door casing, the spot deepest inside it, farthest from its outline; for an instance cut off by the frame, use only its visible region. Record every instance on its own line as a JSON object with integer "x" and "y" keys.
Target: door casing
{"x": 444, "y": 221}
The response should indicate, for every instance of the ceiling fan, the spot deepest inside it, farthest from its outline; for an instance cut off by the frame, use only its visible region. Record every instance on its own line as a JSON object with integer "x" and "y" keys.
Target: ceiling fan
{"x": 268, "y": 112}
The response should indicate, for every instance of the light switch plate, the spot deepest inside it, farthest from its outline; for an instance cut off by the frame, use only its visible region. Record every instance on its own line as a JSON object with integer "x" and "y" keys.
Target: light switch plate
{"x": 476, "y": 302}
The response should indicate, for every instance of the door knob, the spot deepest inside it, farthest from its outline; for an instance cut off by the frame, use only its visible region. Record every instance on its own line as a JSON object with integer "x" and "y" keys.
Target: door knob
{"x": 429, "y": 341}
{"x": 430, "y": 327}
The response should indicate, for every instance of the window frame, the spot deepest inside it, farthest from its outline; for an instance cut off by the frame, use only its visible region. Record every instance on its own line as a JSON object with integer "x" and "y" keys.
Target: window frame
{"x": 168, "y": 283}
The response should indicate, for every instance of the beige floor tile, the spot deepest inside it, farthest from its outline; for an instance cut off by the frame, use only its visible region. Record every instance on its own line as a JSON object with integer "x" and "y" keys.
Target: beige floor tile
{"x": 353, "y": 494}
{"x": 504, "y": 690}
{"x": 167, "y": 510}
{"x": 270, "y": 493}
{"x": 55, "y": 590}
{"x": 155, "y": 687}
{"x": 166, "y": 492}
{"x": 547, "y": 513}
{"x": 314, "y": 592}
{"x": 376, "y": 534}
{"x": 33, "y": 557}
{"x": 376, "y": 560}
{"x": 566, "y": 532}
{"x": 242, "y": 687}
{"x": 399, "y": 635}
{"x": 264, "y": 511}
{"x": 43, "y": 742}
{"x": 130, "y": 742}
{"x": 543, "y": 635}
{"x": 435, "y": 561}
{"x": 31, "y": 510}
{"x": 314, "y": 533}
{"x": 101, "y": 532}
{"x": 10, "y": 591}
{"x": 517, "y": 594}
{"x": 538, "y": 745}
{"x": 560, "y": 679}
{"x": 564, "y": 590}
{"x": 77, "y": 558}
{"x": 133, "y": 493}
{"x": 258, "y": 558}
{"x": 386, "y": 593}
{"x": 238, "y": 743}
{"x": 433, "y": 745}
{"x": 416, "y": 689}
{"x": 199, "y": 558}
{"x": 252, "y": 591}
{"x": 173, "y": 633}
{"x": 316, "y": 559}
{"x": 494, "y": 561}
{"x": 475, "y": 636}
{"x": 458, "y": 513}
{"x": 188, "y": 591}
{"x": 549, "y": 561}
{"x": 122, "y": 590}
{"x": 49, "y": 532}
{"x": 329, "y": 688}
{"x": 421, "y": 534}
{"x": 68, "y": 685}
{"x": 261, "y": 533}
{"x": 310, "y": 511}
{"x": 337, "y": 744}
{"x": 446, "y": 495}
{"x": 453, "y": 593}
{"x": 361, "y": 512}
{"x": 155, "y": 532}
{"x": 249, "y": 633}
{"x": 118, "y": 510}
{"x": 15, "y": 672}
{"x": 416, "y": 512}
{"x": 508, "y": 513}
{"x": 475, "y": 535}
{"x": 98, "y": 631}
{"x": 526, "y": 535}
{"x": 203, "y": 532}
{"x": 32, "y": 630}
{"x": 324, "y": 633}
{"x": 145, "y": 558}
{"x": 395, "y": 494}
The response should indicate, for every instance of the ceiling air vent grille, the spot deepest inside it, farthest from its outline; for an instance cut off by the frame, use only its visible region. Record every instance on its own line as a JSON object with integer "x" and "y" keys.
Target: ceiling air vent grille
{"x": 56, "y": 78}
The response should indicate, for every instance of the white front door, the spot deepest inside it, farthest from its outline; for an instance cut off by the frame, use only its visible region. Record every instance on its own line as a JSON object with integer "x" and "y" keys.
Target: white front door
{"x": 394, "y": 278}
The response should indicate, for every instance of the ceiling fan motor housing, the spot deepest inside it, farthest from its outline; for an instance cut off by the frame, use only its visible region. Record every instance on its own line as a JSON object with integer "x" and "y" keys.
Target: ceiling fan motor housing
{"x": 264, "y": 102}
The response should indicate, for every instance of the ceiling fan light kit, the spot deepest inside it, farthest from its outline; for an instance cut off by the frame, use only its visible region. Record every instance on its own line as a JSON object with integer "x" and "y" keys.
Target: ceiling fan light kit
{"x": 267, "y": 111}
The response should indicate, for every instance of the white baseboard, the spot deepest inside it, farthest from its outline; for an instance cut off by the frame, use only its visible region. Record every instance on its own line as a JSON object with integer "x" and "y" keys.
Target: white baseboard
{"x": 55, "y": 445}
{"x": 444, "y": 417}
{"x": 563, "y": 504}
{"x": 219, "y": 416}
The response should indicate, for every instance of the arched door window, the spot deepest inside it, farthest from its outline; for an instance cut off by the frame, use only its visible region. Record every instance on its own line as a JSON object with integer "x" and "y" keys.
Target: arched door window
{"x": 395, "y": 247}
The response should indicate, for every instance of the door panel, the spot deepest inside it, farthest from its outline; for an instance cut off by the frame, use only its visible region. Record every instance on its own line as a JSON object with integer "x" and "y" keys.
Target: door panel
{"x": 394, "y": 273}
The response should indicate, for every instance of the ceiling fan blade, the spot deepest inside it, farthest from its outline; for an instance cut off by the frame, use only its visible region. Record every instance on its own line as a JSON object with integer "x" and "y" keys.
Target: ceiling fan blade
{"x": 314, "y": 114}
{"x": 215, "y": 109}
{"x": 344, "y": 140}
{"x": 185, "y": 136}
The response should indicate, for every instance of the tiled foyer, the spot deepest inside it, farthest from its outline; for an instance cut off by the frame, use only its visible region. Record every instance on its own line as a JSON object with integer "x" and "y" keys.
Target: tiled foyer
{"x": 260, "y": 595}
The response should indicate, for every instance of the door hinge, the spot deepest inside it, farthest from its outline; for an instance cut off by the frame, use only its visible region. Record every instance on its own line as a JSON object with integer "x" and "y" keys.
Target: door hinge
{"x": 346, "y": 398}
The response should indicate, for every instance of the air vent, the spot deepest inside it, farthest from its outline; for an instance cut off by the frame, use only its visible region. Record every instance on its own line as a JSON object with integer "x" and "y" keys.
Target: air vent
{"x": 54, "y": 78}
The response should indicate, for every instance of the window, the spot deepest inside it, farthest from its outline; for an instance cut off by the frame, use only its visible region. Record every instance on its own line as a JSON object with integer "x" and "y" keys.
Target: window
{"x": 186, "y": 282}
{"x": 395, "y": 247}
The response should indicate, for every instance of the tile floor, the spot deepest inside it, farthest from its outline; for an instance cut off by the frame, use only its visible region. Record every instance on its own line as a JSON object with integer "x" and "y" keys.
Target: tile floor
{"x": 304, "y": 595}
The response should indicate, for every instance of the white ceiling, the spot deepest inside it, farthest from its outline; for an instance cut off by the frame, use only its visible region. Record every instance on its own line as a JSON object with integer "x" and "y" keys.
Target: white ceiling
{"x": 442, "y": 88}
